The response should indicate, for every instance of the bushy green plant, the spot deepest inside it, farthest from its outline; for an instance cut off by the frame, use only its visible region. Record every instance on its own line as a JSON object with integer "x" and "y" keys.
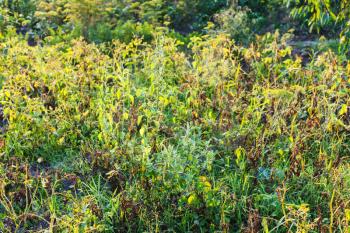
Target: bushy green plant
{"x": 16, "y": 13}
{"x": 236, "y": 22}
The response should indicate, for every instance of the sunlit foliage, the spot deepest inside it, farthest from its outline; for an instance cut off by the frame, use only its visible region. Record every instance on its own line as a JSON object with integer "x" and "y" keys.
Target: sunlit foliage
{"x": 171, "y": 116}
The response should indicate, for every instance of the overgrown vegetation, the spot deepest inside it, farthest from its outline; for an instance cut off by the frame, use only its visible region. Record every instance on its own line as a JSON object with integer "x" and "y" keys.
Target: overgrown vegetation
{"x": 173, "y": 116}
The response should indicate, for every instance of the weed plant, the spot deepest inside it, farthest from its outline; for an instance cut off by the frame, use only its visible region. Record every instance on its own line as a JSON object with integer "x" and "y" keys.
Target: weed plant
{"x": 149, "y": 137}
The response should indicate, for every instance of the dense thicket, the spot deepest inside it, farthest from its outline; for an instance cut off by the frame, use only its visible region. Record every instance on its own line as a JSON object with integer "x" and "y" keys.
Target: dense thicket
{"x": 174, "y": 116}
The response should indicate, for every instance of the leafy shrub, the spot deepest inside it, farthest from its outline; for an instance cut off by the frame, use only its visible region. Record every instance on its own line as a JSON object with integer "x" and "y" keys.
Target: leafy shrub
{"x": 127, "y": 31}
{"x": 236, "y": 22}
{"x": 331, "y": 16}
